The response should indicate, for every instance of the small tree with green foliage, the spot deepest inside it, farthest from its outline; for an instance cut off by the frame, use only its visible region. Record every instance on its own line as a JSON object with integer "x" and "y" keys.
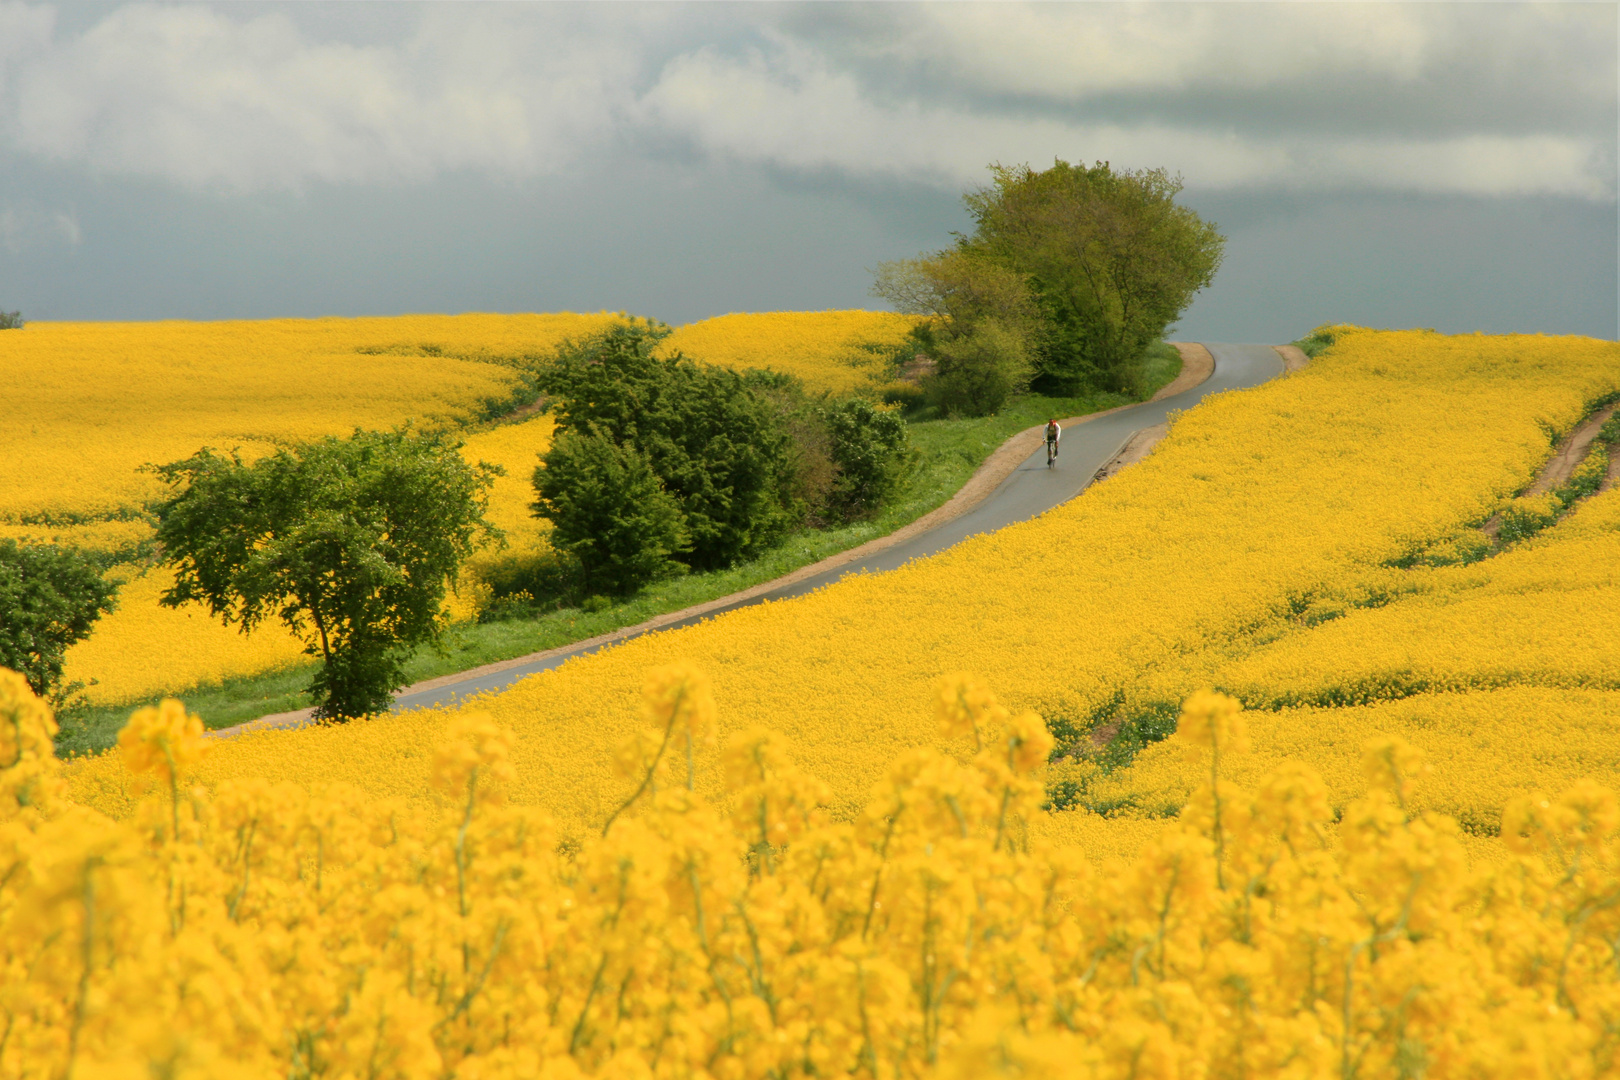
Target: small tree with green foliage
{"x": 979, "y": 370}
{"x": 608, "y": 508}
{"x": 351, "y": 542}
{"x": 982, "y": 327}
{"x": 50, "y": 597}
{"x": 872, "y": 453}
{"x": 11, "y": 320}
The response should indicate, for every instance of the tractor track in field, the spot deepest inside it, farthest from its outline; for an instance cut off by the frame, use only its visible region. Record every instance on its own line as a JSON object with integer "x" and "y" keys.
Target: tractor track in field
{"x": 1011, "y": 485}
{"x": 1568, "y": 455}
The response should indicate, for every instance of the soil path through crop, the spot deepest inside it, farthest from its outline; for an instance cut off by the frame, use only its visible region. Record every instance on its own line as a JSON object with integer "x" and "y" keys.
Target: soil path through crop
{"x": 1567, "y": 457}
{"x": 1013, "y": 484}
{"x": 1570, "y": 452}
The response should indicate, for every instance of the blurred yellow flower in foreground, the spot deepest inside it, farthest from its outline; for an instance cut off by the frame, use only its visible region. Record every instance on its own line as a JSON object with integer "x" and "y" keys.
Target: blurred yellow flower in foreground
{"x": 290, "y": 931}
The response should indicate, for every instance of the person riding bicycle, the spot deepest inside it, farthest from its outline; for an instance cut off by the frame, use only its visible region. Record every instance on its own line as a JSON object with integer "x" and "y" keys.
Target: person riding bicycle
{"x": 1054, "y": 432}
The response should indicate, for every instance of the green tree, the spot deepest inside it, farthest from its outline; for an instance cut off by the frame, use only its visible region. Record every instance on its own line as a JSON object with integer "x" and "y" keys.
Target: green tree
{"x": 983, "y": 326}
{"x": 872, "y": 453}
{"x": 50, "y": 597}
{"x": 11, "y": 320}
{"x": 610, "y": 510}
{"x": 957, "y": 288}
{"x": 1110, "y": 259}
{"x": 351, "y": 542}
{"x": 714, "y": 444}
{"x": 978, "y": 370}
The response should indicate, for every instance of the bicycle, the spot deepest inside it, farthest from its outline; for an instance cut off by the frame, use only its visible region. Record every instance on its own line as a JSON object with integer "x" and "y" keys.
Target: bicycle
{"x": 1051, "y": 452}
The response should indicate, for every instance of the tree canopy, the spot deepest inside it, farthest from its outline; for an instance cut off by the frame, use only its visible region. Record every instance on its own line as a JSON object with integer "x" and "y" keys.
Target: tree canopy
{"x": 662, "y": 464}
{"x": 609, "y": 510}
{"x": 1082, "y": 267}
{"x": 352, "y": 543}
{"x": 714, "y": 446}
{"x": 50, "y": 597}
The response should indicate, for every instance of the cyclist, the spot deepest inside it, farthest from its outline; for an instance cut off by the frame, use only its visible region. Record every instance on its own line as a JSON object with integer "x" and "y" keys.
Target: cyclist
{"x": 1054, "y": 432}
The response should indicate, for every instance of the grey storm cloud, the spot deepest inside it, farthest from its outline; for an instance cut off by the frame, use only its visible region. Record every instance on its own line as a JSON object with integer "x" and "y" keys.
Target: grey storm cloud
{"x": 1482, "y": 100}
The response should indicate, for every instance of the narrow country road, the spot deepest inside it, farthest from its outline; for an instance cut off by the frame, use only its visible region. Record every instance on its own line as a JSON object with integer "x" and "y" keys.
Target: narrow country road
{"x": 1031, "y": 490}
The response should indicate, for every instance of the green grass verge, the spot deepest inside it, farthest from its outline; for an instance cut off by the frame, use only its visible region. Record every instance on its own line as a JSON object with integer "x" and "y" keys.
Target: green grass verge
{"x": 950, "y": 450}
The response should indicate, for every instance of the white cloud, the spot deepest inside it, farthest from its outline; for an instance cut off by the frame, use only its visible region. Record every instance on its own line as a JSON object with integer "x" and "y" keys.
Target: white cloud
{"x": 196, "y": 96}
{"x": 208, "y": 99}
{"x": 1072, "y": 50}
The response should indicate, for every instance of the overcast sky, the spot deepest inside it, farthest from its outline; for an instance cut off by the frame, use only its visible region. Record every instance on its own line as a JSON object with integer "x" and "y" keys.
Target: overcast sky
{"x": 1445, "y": 165}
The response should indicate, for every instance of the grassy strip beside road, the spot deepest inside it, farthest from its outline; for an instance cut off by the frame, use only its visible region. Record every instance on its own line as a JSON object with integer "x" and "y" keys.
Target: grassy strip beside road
{"x": 950, "y": 452}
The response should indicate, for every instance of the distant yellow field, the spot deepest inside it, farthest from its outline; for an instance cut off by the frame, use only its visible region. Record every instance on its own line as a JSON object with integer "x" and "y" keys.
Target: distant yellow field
{"x": 836, "y": 351}
{"x": 84, "y": 405}
{"x": 517, "y": 449}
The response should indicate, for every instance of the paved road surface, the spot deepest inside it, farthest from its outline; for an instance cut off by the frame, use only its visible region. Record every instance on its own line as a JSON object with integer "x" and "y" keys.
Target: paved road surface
{"x": 1031, "y": 490}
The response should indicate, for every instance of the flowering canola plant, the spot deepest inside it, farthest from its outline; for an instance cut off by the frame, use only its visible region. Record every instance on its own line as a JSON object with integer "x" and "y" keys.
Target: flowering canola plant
{"x": 268, "y": 929}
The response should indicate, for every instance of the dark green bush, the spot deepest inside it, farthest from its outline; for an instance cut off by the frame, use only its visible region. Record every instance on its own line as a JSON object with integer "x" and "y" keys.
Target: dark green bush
{"x": 978, "y": 371}
{"x": 906, "y": 396}
{"x": 714, "y": 442}
{"x": 526, "y": 585}
{"x": 1317, "y": 341}
{"x": 872, "y": 454}
{"x": 610, "y": 511}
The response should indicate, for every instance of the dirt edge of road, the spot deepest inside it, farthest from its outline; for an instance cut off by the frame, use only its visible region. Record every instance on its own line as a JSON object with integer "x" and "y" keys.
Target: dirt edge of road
{"x": 1197, "y": 365}
{"x": 1293, "y": 358}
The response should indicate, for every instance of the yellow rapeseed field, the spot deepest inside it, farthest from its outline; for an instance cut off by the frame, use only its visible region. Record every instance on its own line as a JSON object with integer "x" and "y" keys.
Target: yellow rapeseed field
{"x": 84, "y": 405}
{"x": 1543, "y": 613}
{"x": 832, "y": 859}
{"x": 515, "y": 447}
{"x": 261, "y": 929}
{"x": 1259, "y": 504}
{"x": 837, "y": 351}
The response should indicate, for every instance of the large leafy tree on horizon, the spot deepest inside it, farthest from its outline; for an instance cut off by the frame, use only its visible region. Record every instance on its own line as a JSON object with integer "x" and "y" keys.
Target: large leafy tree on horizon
{"x": 1073, "y": 270}
{"x": 1110, "y": 257}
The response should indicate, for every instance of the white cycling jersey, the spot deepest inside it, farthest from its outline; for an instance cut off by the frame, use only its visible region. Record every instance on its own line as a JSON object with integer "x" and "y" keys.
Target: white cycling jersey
{"x": 1055, "y": 436}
